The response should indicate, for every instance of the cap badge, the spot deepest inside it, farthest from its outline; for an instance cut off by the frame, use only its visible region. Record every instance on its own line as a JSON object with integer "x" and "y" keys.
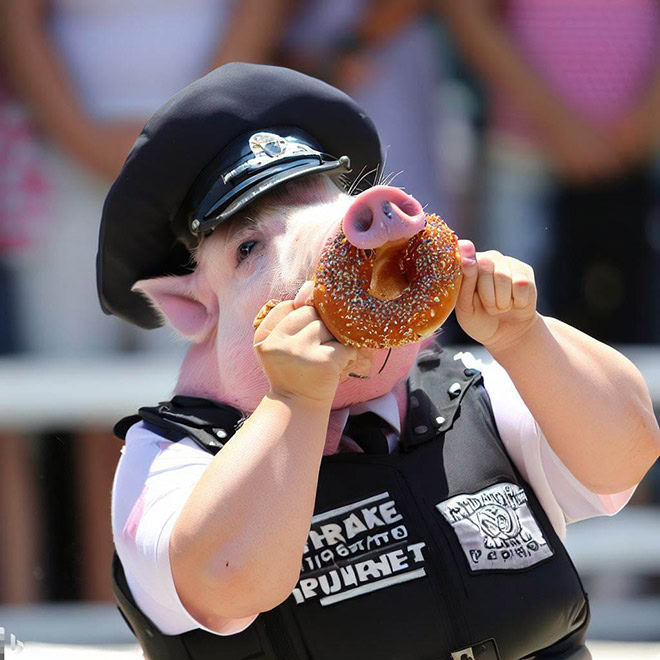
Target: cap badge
{"x": 268, "y": 148}
{"x": 268, "y": 144}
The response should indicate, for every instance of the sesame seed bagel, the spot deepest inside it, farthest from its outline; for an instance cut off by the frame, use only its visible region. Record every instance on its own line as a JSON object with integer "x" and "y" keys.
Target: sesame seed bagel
{"x": 391, "y": 296}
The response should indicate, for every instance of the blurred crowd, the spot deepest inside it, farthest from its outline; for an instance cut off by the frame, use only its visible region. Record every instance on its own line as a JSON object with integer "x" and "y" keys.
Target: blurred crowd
{"x": 531, "y": 126}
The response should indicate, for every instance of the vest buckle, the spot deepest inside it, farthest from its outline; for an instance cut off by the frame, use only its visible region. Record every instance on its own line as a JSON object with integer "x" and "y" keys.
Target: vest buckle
{"x": 463, "y": 654}
{"x": 486, "y": 650}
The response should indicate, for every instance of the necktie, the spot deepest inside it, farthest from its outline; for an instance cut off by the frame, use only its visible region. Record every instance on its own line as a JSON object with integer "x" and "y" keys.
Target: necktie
{"x": 369, "y": 431}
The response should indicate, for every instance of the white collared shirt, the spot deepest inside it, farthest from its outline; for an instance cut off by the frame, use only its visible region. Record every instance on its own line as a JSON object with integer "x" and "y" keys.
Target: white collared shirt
{"x": 155, "y": 477}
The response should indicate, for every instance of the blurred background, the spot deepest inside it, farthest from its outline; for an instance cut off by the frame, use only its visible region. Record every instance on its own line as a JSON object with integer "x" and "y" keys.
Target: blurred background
{"x": 531, "y": 126}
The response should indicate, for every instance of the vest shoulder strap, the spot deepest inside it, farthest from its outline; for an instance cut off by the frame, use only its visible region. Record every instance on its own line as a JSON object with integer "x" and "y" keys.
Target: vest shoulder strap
{"x": 208, "y": 423}
{"x": 436, "y": 386}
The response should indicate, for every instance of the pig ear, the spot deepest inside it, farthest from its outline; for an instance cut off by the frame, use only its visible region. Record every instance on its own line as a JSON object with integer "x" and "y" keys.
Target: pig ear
{"x": 183, "y": 304}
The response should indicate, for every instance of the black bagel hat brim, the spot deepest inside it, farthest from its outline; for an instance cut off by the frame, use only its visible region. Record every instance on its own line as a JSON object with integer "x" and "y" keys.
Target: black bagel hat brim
{"x": 137, "y": 240}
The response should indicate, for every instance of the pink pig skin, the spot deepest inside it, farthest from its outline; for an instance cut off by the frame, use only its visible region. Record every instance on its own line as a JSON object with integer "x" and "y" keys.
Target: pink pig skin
{"x": 214, "y": 307}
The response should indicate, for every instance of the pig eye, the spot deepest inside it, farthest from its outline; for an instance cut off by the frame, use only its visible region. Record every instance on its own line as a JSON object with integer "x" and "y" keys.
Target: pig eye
{"x": 244, "y": 250}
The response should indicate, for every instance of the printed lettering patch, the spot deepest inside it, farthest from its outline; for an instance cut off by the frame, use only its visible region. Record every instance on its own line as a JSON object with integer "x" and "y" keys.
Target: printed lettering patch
{"x": 356, "y": 549}
{"x": 496, "y": 528}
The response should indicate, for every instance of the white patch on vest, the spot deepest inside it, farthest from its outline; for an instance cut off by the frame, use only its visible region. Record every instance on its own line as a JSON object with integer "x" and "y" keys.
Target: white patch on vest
{"x": 356, "y": 549}
{"x": 496, "y": 528}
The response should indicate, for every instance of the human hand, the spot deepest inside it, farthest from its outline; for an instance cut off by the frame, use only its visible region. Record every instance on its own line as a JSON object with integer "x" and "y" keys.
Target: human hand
{"x": 105, "y": 145}
{"x": 297, "y": 352}
{"x": 496, "y": 303}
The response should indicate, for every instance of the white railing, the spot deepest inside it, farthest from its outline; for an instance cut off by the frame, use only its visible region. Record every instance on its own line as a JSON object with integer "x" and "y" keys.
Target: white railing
{"x": 37, "y": 393}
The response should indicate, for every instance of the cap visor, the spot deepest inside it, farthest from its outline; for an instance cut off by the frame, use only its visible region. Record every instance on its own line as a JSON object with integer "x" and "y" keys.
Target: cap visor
{"x": 264, "y": 185}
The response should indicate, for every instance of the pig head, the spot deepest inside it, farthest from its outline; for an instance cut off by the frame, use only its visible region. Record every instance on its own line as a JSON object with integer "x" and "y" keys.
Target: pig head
{"x": 267, "y": 252}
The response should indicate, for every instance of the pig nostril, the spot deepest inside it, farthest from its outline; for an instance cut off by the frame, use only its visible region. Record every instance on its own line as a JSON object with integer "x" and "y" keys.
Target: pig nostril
{"x": 388, "y": 210}
{"x": 363, "y": 220}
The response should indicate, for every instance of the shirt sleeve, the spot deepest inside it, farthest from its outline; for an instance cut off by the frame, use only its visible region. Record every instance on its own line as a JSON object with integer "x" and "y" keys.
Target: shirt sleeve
{"x": 564, "y": 498}
{"x": 153, "y": 480}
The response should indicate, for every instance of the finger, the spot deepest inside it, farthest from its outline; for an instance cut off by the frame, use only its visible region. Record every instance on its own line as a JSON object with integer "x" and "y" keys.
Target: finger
{"x": 522, "y": 283}
{"x": 316, "y": 332}
{"x": 478, "y": 305}
{"x": 303, "y": 297}
{"x": 502, "y": 283}
{"x": 272, "y": 318}
{"x": 470, "y": 274}
{"x": 485, "y": 283}
{"x": 297, "y": 319}
{"x": 343, "y": 355}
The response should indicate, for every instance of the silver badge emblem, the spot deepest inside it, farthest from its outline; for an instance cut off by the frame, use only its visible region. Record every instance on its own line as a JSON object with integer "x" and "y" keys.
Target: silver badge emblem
{"x": 268, "y": 148}
{"x": 267, "y": 144}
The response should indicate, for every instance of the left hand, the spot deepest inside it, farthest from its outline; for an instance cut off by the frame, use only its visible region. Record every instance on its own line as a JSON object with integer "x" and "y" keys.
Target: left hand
{"x": 496, "y": 304}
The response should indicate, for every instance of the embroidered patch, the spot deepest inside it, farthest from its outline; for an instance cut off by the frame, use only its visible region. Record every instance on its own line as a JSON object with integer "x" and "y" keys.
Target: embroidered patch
{"x": 496, "y": 528}
{"x": 355, "y": 549}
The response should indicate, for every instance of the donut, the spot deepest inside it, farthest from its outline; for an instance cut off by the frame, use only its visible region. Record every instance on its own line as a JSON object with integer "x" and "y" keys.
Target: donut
{"x": 390, "y": 296}
{"x": 263, "y": 312}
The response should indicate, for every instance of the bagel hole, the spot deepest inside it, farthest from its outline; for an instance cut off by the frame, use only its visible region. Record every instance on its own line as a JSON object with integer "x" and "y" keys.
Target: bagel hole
{"x": 388, "y": 281}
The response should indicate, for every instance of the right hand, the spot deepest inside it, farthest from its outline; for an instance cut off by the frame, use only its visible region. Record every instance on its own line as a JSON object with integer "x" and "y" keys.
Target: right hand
{"x": 298, "y": 354}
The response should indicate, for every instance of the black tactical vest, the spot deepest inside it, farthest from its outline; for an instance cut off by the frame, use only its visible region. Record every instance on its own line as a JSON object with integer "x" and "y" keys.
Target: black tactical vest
{"x": 440, "y": 551}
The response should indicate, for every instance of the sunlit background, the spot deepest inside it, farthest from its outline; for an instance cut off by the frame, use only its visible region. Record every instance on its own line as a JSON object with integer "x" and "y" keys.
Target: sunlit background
{"x": 531, "y": 126}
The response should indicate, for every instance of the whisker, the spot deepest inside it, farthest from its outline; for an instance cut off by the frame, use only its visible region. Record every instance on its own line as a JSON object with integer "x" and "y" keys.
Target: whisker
{"x": 363, "y": 176}
{"x": 390, "y": 178}
{"x": 382, "y": 167}
{"x": 356, "y": 181}
{"x": 378, "y": 170}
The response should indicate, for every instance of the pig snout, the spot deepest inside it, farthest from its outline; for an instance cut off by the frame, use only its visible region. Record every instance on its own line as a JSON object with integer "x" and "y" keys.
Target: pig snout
{"x": 380, "y": 215}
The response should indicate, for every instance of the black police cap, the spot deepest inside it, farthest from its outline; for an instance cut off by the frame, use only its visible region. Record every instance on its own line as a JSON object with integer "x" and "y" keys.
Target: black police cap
{"x": 214, "y": 147}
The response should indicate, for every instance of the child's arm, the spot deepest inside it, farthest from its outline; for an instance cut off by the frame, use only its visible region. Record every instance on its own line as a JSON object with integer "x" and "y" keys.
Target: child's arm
{"x": 589, "y": 400}
{"x": 237, "y": 546}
